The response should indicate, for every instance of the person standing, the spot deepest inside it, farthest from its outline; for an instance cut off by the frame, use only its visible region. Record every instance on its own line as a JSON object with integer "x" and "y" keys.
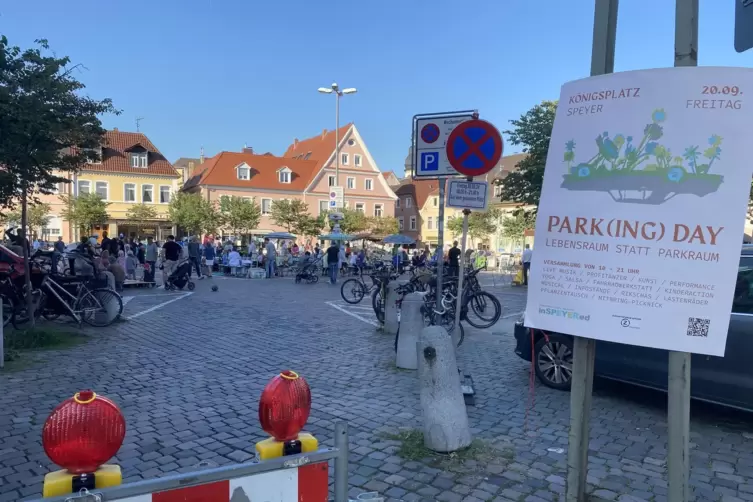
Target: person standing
{"x": 151, "y": 258}
{"x": 270, "y": 259}
{"x": 105, "y": 244}
{"x": 333, "y": 259}
{"x": 172, "y": 252}
{"x": 194, "y": 256}
{"x": 525, "y": 260}
{"x": 454, "y": 259}
{"x": 209, "y": 257}
{"x": 59, "y": 251}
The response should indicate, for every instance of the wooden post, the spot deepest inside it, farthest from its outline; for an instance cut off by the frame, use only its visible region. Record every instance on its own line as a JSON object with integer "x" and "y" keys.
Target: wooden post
{"x": 584, "y": 350}
{"x": 678, "y": 409}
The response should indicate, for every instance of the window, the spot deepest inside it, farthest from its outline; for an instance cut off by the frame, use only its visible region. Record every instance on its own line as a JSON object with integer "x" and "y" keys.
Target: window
{"x": 307, "y": 156}
{"x": 430, "y": 223}
{"x": 331, "y": 181}
{"x": 357, "y": 160}
{"x": 412, "y": 222}
{"x": 147, "y": 193}
{"x": 408, "y": 202}
{"x": 369, "y": 184}
{"x": 101, "y": 188}
{"x": 346, "y": 204}
{"x": 284, "y": 176}
{"x": 397, "y": 203}
{"x": 742, "y": 302}
{"x": 84, "y": 187}
{"x": 164, "y": 194}
{"x": 435, "y": 201}
{"x": 51, "y": 231}
{"x": 129, "y": 192}
{"x": 400, "y": 223}
{"x": 360, "y": 206}
{"x": 266, "y": 206}
{"x": 244, "y": 173}
{"x": 351, "y": 142}
{"x": 378, "y": 210}
{"x": 248, "y": 199}
{"x": 323, "y": 206}
{"x": 351, "y": 183}
{"x": 344, "y": 159}
{"x": 497, "y": 190}
{"x": 139, "y": 159}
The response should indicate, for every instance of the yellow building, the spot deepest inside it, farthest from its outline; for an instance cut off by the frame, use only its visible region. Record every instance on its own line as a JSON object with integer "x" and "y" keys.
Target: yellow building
{"x": 132, "y": 171}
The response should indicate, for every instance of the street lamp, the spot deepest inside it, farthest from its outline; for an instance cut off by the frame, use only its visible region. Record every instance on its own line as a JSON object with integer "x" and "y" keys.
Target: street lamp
{"x": 335, "y": 89}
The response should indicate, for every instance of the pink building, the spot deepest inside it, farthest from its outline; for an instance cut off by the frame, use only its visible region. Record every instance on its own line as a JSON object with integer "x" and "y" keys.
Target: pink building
{"x": 306, "y": 171}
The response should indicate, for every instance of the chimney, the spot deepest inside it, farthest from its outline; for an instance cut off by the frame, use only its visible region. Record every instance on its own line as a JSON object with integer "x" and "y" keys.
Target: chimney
{"x": 248, "y": 149}
{"x": 324, "y": 133}
{"x": 295, "y": 143}
{"x": 201, "y": 157}
{"x": 114, "y": 129}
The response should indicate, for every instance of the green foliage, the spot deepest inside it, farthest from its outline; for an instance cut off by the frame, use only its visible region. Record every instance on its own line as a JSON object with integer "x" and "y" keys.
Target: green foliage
{"x": 480, "y": 223}
{"x": 353, "y": 221}
{"x": 309, "y": 226}
{"x": 289, "y": 213}
{"x": 37, "y": 217}
{"x": 141, "y": 214}
{"x": 48, "y": 124}
{"x": 194, "y": 213}
{"x": 85, "y": 211}
{"x": 386, "y": 225}
{"x": 514, "y": 227}
{"x": 533, "y": 131}
{"x": 239, "y": 215}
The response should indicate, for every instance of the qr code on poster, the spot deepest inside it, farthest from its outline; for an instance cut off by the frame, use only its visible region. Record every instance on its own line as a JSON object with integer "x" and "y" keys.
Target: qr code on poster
{"x": 698, "y": 326}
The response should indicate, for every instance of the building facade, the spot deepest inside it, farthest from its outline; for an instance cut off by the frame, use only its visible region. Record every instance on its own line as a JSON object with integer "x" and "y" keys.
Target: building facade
{"x": 306, "y": 171}
{"x": 131, "y": 171}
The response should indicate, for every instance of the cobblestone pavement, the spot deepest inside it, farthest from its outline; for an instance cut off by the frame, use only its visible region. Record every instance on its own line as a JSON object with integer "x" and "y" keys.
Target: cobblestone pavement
{"x": 189, "y": 373}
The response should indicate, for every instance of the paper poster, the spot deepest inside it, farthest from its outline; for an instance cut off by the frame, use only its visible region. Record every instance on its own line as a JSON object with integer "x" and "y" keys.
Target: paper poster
{"x": 643, "y": 208}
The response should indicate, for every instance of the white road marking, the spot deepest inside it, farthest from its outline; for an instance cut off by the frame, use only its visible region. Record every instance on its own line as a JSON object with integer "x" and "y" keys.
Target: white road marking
{"x": 360, "y": 318}
{"x": 159, "y": 306}
{"x": 127, "y": 299}
{"x": 512, "y": 315}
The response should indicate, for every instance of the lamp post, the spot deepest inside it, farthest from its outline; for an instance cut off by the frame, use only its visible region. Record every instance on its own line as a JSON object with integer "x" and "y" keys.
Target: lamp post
{"x": 335, "y": 89}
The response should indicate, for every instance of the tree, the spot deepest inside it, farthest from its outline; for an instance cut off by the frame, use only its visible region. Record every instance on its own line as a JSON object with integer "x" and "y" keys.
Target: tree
{"x": 480, "y": 224}
{"x": 48, "y": 127}
{"x": 85, "y": 211}
{"x": 288, "y": 213}
{"x": 309, "y": 226}
{"x": 353, "y": 221}
{"x": 38, "y": 217}
{"x": 385, "y": 225}
{"x": 141, "y": 214}
{"x": 240, "y": 215}
{"x": 533, "y": 131}
{"x": 194, "y": 213}
{"x": 515, "y": 226}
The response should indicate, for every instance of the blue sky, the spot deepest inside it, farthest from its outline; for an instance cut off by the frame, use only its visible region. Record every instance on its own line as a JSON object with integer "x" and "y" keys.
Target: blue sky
{"x": 221, "y": 73}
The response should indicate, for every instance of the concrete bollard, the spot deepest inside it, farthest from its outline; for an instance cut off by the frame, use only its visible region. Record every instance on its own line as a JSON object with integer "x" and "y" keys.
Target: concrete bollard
{"x": 411, "y": 324}
{"x": 391, "y": 319}
{"x": 442, "y": 406}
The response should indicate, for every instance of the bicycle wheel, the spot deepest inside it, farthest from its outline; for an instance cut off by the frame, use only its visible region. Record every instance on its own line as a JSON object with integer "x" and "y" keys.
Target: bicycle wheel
{"x": 482, "y": 310}
{"x": 9, "y": 309}
{"x": 377, "y": 303}
{"x": 100, "y": 307}
{"x": 352, "y": 291}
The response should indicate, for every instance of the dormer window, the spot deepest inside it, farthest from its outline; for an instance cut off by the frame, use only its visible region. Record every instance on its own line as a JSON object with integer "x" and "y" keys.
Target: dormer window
{"x": 285, "y": 175}
{"x": 139, "y": 159}
{"x": 244, "y": 172}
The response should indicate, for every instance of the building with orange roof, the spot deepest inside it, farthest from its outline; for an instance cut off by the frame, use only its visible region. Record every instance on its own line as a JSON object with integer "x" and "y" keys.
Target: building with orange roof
{"x": 306, "y": 171}
{"x": 132, "y": 171}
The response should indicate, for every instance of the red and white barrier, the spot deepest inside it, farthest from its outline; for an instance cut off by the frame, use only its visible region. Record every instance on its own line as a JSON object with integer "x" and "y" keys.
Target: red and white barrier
{"x": 308, "y": 483}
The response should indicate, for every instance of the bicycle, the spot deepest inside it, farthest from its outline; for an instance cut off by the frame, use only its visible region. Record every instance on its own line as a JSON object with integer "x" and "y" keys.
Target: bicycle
{"x": 85, "y": 306}
{"x": 357, "y": 286}
{"x": 14, "y": 300}
{"x": 444, "y": 317}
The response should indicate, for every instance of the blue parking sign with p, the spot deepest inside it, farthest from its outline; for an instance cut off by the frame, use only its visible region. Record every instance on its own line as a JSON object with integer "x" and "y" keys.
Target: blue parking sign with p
{"x": 429, "y": 161}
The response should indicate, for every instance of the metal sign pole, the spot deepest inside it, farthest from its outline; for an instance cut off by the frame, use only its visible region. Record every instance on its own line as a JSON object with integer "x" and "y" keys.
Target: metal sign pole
{"x": 584, "y": 349}
{"x": 678, "y": 400}
{"x": 440, "y": 243}
{"x": 466, "y": 213}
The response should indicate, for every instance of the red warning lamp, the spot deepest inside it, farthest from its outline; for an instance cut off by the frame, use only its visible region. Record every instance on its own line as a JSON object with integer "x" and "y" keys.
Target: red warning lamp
{"x": 284, "y": 406}
{"x": 83, "y": 432}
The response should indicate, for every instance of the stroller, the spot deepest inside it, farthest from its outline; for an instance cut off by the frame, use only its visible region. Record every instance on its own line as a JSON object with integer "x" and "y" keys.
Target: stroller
{"x": 308, "y": 271}
{"x": 181, "y": 277}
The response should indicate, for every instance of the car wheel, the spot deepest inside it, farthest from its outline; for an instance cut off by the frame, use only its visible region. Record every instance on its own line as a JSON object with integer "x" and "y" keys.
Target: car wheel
{"x": 553, "y": 361}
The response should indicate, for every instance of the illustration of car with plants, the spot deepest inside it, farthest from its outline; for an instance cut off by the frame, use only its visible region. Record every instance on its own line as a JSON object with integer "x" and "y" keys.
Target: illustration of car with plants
{"x": 645, "y": 172}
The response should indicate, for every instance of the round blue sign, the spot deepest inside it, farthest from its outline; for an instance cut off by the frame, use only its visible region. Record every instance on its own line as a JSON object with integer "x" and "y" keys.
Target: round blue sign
{"x": 430, "y": 133}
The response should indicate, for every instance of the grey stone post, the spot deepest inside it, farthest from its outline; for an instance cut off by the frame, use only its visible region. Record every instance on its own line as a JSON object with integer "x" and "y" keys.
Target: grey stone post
{"x": 411, "y": 324}
{"x": 442, "y": 406}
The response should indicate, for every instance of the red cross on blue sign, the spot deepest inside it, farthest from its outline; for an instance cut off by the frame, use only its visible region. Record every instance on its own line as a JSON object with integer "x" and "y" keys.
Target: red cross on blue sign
{"x": 474, "y": 147}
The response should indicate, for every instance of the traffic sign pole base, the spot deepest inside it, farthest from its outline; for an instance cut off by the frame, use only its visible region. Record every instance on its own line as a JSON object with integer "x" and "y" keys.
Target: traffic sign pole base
{"x": 62, "y": 482}
{"x": 272, "y": 448}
